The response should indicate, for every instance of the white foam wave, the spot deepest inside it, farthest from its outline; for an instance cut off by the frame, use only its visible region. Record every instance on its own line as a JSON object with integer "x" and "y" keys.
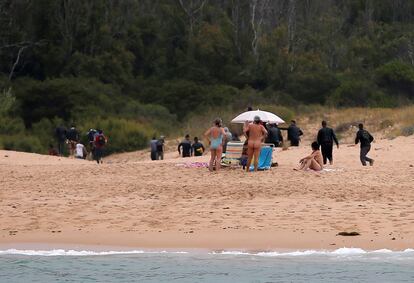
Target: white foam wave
{"x": 61, "y": 252}
{"x": 342, "y": 252}
{"x": 337, "y": 252}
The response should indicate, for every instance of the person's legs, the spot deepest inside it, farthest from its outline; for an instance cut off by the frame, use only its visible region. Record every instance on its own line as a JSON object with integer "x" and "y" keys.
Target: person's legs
{"x": 250, "y": 151}
{"x": 60, "y": 147}
{"x": 256, "y": 154}
{"x": 153, "y": 155}
{"x": 363, "y": 155}
{"x": 219, "y": 152}
{"x": 324, "y": 150}
{"x": 305, "y": 164}
{"x": 329, "y": 149}
{"x": 370, "y": 160}
{"x": 212, "y": 158}
{"x": 315, "y": 165}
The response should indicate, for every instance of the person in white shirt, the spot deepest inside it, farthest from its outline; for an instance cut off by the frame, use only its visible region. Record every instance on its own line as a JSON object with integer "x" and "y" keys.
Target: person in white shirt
{"x": 80, "y": 151}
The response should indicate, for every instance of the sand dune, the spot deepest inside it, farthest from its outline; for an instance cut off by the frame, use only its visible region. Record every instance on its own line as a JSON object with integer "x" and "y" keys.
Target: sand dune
{"x": 132, "y": 201}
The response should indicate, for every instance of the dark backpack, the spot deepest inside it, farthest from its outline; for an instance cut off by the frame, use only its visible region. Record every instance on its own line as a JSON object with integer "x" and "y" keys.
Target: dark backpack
{"x": 101, "y": 140}
{"x": 366, "y": 136}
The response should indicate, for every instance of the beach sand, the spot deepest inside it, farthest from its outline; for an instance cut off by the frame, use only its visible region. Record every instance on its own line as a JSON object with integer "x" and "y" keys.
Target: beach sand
{"x": 132, "y": 202}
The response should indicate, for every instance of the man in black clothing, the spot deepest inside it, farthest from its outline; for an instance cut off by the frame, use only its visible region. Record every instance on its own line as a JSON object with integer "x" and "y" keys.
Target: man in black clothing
{"x": 326, "y": 138}
{"x": 293, "y": 133}
{"x": 197, "y": 148}
{"x": 186, "y": 147}
{"x": 274, "y": 135}
{"x": 60, "y": 133}
{"x": 365, "y": 139}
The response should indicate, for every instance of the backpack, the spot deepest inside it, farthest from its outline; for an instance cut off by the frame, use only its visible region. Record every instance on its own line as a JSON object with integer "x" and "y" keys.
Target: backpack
{"x": 366, "y": 137}
{"x": 101, "y": 140}
{"x": 160, "y": 145}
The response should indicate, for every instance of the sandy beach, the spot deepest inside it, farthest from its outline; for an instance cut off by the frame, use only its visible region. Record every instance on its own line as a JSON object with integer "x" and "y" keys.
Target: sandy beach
{"x": 132, "y": 202}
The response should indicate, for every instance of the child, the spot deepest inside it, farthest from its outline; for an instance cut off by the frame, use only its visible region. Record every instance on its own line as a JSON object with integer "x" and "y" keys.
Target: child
{"x": 243, "y": 159}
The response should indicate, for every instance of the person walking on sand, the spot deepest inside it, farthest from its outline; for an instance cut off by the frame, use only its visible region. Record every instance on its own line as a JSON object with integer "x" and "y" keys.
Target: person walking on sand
{"x": 100, "y": 142}
{"x": 197, "y": 148}
{"x": 365, "y": 139}
{"x": 257, "y": 134}
{"x": 185, "y": 145}
{"x": 153, "y": 145}
{"x": 326, "y": 138}
{"x": 160, "y": 148}
{"x": 216, "y": 137}
{"x": 313, "y": 161}
{"x": 293, "y": 133}
{"x": 60, "y": 133}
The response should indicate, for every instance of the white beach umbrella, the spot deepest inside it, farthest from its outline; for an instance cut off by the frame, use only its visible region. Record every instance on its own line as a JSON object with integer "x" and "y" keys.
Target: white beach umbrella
{"x": 264, "y": 116}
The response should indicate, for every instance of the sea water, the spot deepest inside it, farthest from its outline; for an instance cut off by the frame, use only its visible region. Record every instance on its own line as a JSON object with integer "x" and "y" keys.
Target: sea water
{"x": 342, "y": 265}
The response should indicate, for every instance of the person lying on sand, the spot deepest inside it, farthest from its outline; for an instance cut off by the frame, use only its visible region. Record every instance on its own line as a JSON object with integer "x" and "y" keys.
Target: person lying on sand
{"x": 257, "y": 134}
{"x": 314, "y": 161}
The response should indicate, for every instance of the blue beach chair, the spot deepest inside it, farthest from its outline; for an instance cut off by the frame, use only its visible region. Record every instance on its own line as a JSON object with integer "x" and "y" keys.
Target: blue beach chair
{"x": 265, "y": 158}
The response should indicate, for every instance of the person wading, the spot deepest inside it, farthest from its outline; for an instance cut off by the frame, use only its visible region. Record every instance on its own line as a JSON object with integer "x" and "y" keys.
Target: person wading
{"x": 257, "y": 134}
{"x": 326, "y": 138}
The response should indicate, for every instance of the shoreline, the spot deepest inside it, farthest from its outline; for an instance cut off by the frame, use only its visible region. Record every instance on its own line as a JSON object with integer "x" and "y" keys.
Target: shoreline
{"x": 257, "y": 241}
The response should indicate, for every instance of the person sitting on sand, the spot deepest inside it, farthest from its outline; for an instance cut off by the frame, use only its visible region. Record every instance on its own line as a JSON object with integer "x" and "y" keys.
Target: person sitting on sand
{"x": 257, "y": 134}
{"x": 216, "y": 137}
{"x": 314, "y": 161}
{"x": 197, "y": 147}
{"x": 80, "y": 151}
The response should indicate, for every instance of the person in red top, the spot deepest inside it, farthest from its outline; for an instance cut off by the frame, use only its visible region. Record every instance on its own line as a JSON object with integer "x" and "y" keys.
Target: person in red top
{"x": 100, "y": 142}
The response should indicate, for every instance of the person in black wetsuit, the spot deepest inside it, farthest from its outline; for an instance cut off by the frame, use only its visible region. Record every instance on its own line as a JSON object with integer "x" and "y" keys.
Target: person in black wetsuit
{"x": 365, "y": 139}
{"x": 293, "y": 133}
{"x": 60, "y": 134}
{"x": 184, "y": 147}
{"x": 326, "y": 138}
{"x": 197, "y": 149}
{"x": 274, "y": 135}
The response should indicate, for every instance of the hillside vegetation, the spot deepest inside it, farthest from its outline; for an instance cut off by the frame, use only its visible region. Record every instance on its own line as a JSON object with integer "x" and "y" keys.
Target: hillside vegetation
{"x": 141, "y": 67}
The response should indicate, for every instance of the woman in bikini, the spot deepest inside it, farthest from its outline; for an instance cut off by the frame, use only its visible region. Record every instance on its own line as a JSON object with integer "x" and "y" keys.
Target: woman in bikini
{"x": 257, "y": 134}
{"x": 314, "y": 161}
{"x": 216, "y": 136}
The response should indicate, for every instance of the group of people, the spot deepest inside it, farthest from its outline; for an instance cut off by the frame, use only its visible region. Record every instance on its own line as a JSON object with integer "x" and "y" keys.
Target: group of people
{"x": 322, "y": 148}
{"x": 258, "y": 132}
{"x": 72, "y": 138}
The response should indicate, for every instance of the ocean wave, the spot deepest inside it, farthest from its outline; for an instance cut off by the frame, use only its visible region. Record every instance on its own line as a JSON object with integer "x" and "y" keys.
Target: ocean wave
{"x": 337, "y": 252}
{"x": 61, "y": 252}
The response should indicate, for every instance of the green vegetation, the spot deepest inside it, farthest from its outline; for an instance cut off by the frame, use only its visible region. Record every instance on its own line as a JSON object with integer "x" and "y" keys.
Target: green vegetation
{"x": 141, "y": 67}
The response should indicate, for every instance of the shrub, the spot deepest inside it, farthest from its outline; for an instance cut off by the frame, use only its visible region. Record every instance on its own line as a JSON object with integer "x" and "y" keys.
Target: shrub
{"x": 408, "y": 131}
{"x": 22, "y": 143}
{"x": 359, "y": 93}
{"x": 397, "y": 77}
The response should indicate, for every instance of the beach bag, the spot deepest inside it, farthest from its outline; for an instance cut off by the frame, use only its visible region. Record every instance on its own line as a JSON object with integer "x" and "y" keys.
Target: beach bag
{"x": 101, "y": 140}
